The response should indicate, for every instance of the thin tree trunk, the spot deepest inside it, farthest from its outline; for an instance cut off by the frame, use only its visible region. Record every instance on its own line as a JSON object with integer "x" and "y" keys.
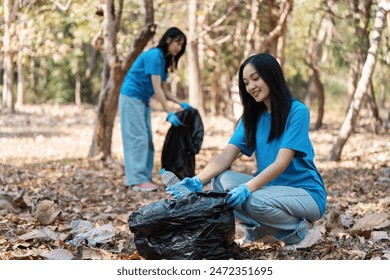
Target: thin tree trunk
{"x": 316, "y": 54}
{"x": 383, "y": 78}
{"x": 194, "y": 82}
{"x": 364, "y": 83}
{"x": 8, "y": 65}
{"x": 21, "y": 82}
{"x": 77, "y": 90}
{"x": 92, "y": 56}
{"x": 8, "y": 78}
{"x": 376, "y": 121}
{"x": 20, "y": 63}
{"x": 321, "y": 100}
{"x": 249, "y": 49}
{"x": 315, "y": 88}
{"x": 361, "y": 15}
{"x": 31, "y": 77}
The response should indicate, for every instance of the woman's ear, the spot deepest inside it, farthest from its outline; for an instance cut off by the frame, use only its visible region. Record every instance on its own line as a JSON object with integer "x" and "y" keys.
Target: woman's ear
{"x": 169, "y": 40}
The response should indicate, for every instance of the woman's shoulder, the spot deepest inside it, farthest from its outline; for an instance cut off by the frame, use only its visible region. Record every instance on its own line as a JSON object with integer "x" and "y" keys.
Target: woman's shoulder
{"x": 299, "y": 110}
{"x": 154, "y": 51}
{"x": 298, "y": 105}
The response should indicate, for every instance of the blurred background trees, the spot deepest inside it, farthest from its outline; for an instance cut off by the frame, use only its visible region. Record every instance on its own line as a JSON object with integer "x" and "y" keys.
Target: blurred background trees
{"x": 52, "y": 51}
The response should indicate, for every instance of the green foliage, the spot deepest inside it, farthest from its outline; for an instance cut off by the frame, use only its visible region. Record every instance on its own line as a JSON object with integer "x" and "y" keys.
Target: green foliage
{"x": 302, "y": 24}
{"x": 59, "y": 44}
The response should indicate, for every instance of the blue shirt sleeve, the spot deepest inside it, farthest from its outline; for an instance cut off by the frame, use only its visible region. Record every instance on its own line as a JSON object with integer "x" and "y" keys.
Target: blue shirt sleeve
{"x": 164, "y": 76}
{"x": 238, "y": 140}
{"x": 296, "y": 134}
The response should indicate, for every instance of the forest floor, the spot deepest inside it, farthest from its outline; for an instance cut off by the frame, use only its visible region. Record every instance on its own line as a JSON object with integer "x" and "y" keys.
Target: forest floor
{"x": 49, "y": 189}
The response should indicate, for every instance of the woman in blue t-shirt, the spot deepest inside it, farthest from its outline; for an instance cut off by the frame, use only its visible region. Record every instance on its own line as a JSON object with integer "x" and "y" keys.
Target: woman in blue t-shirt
{"x": 147, "y": 77}
{"x": 287, "y": 191}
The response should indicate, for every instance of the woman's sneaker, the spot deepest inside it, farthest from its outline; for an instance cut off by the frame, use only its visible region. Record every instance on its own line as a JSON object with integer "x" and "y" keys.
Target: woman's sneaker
{"x": 145, "y": 187}
{"x": 312, "y": 236}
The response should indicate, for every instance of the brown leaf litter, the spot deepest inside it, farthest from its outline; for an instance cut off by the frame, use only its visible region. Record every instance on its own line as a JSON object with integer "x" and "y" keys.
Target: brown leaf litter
{"x": 46, "y": 182}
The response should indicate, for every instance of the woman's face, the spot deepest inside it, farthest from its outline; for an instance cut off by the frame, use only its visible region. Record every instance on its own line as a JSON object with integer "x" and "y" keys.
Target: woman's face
{"x": 256, "y": 86}
{"x": 175, "y": 46}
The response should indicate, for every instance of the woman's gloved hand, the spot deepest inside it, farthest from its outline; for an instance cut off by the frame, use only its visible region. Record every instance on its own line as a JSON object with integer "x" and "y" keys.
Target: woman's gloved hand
{"x": 173, "y": 119}
{"x": 185, "y": 186}
{"x": 185, "y": 105}
{"x": 238, "y": 195}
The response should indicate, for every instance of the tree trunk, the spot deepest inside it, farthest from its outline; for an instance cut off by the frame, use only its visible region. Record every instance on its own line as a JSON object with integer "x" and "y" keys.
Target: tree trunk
{"x": 114, "y": 72}
{"x": 361, "y": 15}
{"x": 376, "y": 121}
{"x": 254, "y": 22}
{"x": 364, "y": 83}
{"x": 32, "y": 75}
{"x": 383, "y": 78}
{"x": 20, "y": 63}
{"x": 8, "y": 65}
{"x": 92, "y": 56}
{"x": 8, "y": 78}
{"x": 21, "y": 82}
{"x": 315, "y": 55}
{"x": 77, "y": 90}
{"x": 194, "y": 81}
{"x": 321, "y": 100}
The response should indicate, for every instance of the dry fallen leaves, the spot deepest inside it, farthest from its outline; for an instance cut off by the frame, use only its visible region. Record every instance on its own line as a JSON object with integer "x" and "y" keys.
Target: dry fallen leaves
{"x": 46, "y": 212}
{"x": 46, "y": 188}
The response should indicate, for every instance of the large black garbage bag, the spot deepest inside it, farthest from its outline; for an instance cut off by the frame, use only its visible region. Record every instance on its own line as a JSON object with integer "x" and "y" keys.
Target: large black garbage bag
{"x": 197, "y": 226}
{"x": 182, "y": 143}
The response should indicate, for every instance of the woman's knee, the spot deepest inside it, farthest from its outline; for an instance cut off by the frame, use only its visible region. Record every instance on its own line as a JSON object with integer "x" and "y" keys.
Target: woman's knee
{"x": 216, "y": 182}
{"x": 228, "y": 180}
{"x": 256, "y": 205}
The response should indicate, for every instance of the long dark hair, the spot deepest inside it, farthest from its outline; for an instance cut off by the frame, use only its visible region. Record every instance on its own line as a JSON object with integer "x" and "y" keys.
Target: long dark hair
{"x": 175, "y": 34}
{"x": 270, "y": 71}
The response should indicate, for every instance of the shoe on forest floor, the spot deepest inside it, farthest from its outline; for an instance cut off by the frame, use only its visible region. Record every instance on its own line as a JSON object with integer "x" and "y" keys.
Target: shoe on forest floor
{"x": 312, "y": 236}
{"x": 145, "y": 187}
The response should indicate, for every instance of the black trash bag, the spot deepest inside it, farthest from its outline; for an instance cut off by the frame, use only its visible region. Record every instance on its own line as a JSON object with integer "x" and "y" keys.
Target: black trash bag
{"x": 182, "y": 143}
{"x": 197, "y": 226}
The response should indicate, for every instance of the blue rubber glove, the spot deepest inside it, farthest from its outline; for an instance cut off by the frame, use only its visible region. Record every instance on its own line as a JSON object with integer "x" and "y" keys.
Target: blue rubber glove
{"x": 194, "y": 184}
{"x": 185, "y": 186}
{"x": 238, "y": 195}
{"x": 177, "y": 190}
{"x": 185, "y": 105}
{"x": 173, "y": 119}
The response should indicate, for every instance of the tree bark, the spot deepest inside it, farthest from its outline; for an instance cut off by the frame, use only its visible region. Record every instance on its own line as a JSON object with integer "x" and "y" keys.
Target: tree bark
{"x": 254, "y": 22}
{"x": 10, "y": 8}
{"x": 32, "y": 77}
{"x": 314, "y": 57}
{"x": 194, "y": 80}
{"x": 364, "y": 83}
{"x": 361, "y": 15}
{"x": 77, "y": 90}
{"x": 376, "y": 121}
{"x": 114, "y": 72}
{"x": 21, "y": 81}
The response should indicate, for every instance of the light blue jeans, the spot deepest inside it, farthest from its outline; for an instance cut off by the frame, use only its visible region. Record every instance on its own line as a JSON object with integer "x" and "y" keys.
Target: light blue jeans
{"x": 280, "y": 211}
{"x": 137, "y": 139}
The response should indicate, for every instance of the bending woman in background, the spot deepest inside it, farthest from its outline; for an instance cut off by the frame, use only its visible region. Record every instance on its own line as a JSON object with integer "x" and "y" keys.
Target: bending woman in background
{"x": 147, "y": 77}
{"x": 287, "y": 191}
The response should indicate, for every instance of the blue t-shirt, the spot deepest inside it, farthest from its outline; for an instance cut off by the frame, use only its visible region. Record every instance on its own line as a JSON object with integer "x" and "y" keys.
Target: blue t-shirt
{"x": 138, "y": 81}
{"x": 301, "y": 172}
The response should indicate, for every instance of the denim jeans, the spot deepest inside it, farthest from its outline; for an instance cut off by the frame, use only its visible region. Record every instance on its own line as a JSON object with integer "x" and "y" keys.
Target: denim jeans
{"x": 281, "y": 211}
{"x": 137, "y": 139}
